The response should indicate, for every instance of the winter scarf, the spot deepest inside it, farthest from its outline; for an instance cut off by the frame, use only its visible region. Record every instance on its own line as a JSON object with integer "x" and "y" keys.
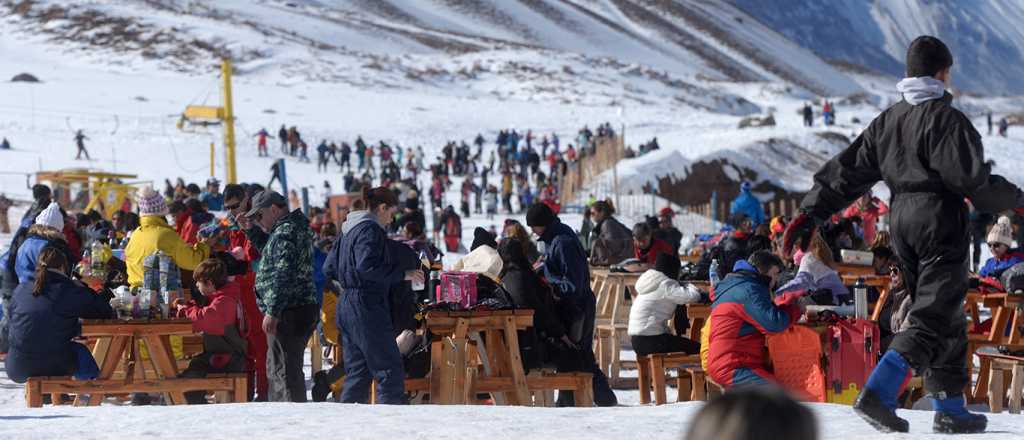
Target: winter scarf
{"x": 921, "y": 89}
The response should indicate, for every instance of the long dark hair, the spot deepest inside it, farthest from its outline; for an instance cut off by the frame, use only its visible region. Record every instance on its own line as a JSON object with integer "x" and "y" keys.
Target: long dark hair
{"x": 49, "y": 258}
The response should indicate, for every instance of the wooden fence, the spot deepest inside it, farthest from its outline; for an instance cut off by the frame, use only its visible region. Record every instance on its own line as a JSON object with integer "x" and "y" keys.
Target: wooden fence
{"x": 785, "y": 207}
{"x": 608, "y": 151}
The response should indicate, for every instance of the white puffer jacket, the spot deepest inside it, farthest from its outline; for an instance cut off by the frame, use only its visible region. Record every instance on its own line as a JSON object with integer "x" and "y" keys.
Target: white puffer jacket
{"x": 656, "y": 301}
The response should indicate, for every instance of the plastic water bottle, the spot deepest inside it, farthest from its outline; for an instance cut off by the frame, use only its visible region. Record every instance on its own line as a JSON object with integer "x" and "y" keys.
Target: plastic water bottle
{"x": 860, "y": 299}
{"x": 434, "y": 287}
{"x": 713, "y": 272}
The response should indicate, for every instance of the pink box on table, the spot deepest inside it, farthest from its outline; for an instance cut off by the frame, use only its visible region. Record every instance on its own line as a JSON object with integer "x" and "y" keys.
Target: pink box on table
{"x": 458, "y": 288}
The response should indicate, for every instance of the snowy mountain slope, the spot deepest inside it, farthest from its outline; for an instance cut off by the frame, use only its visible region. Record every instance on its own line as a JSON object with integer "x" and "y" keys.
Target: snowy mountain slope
{"x": 985, "y": 36}
{"x": 687, "y": 39}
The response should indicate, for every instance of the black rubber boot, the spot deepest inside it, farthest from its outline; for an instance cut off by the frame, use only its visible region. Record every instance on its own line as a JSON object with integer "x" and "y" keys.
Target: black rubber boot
{"x": 320, "y": 386}
{"x": 871, "y": 408}
{"x": 970, "y": 424}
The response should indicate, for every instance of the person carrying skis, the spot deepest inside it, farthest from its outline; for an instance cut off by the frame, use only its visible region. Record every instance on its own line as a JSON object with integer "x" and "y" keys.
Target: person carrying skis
{"x": 931, "y": 157}
{"x": 80, "y": 142}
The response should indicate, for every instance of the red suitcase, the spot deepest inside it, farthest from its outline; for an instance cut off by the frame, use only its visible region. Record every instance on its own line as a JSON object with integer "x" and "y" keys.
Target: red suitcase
{"x": 852, "y": 355}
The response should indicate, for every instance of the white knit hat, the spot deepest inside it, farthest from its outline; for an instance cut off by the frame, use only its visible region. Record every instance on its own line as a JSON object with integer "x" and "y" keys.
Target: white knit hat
{"x": 51, "y": 217}
{"x": 484, "y": 260}
{"x": 1001, "y": 232}
{"x": 151, "y": 202}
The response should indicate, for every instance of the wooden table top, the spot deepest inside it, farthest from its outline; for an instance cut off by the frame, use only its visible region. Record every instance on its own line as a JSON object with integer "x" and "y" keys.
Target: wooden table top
{"x": 445, "y": 322}
{"x": 115, "y": 327}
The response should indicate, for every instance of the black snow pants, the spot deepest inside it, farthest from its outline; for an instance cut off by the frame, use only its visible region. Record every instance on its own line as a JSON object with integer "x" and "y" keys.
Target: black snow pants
{"x": 930, "y": 236}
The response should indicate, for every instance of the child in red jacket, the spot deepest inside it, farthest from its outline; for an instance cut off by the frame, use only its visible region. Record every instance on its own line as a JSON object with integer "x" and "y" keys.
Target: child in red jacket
{"x": 221, "y": 322}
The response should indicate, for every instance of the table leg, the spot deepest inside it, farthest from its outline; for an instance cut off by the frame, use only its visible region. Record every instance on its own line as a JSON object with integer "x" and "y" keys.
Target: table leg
{"x": 522, "y": 393}
{"x": 437, "y": 365}
{"x": 112, "y": 352}
{"x": 1016, "y": 383}
{"x": 160, "y": 353}
{"x": 459, "y": 364}
{"x": 1015, "y": 326}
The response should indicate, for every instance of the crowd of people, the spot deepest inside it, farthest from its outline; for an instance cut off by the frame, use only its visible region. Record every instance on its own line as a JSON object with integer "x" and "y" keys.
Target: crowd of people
{"x": 358, "y": 275}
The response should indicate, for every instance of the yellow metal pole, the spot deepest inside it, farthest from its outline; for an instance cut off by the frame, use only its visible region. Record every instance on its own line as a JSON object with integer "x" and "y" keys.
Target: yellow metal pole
{"x": 212, "y": 168}
{"x": 229, "y": 123}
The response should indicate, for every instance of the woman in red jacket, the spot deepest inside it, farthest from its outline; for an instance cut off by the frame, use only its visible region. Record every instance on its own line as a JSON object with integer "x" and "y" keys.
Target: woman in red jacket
{"x": 221, "y": 322}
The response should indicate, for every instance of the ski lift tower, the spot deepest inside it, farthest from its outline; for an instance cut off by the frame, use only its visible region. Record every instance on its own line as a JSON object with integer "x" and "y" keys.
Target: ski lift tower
{"x": 209, "y": 115}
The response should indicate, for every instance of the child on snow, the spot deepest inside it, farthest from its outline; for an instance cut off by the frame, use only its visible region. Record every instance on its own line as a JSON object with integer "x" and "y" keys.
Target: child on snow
{"x": 221, "y": 322}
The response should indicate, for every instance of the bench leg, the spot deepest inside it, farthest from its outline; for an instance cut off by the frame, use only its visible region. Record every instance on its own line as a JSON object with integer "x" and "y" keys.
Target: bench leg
{"x": 584, "y": 394}
{"x": 995, "y": 392}
{"x": 34, "y": 394}
{"x": 684, "y": 386}
{"x": 1016, "y": 385}
{"x": 699, "y": 386}
{"x": 240, "y": 392}
{"x": 658, "y": 377}
{"x": 643, "y": 370}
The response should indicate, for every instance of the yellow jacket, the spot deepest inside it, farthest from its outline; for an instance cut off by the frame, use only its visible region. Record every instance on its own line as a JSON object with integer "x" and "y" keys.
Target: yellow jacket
{"x": 155, "y": 234}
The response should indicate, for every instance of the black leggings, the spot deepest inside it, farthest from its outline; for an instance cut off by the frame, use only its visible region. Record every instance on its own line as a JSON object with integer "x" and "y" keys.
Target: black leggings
{"x": 663, "y": 343}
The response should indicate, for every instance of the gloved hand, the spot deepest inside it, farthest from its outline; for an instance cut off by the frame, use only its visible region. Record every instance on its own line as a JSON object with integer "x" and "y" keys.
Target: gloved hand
{"x": 798, "y": 232}
{"x": 704, "y": 298}
{"x": 568, "y": 343}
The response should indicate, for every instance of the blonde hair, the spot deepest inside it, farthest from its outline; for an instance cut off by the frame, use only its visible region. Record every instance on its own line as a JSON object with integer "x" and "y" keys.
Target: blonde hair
{"x": 821, "y": 251}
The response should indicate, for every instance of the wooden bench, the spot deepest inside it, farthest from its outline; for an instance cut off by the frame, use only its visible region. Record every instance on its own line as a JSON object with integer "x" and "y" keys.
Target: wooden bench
{"x": 651, "y": 372}
{"x": 541, "y": 385}
{"x": 228, "y": 387}
{"x": 1001, "y": 368}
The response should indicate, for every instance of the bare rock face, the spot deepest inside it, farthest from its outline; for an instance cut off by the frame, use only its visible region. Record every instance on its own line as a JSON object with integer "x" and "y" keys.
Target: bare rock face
{"x": 25, "y": 77}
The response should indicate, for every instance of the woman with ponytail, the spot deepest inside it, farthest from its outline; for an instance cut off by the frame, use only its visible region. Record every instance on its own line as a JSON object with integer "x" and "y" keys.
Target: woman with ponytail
{"x": 368, "y": 265}
{"x": 44, "y": 322}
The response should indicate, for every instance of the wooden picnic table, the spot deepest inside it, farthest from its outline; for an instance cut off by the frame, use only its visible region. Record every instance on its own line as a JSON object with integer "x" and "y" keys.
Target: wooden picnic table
{"x": 454, "y": 377}
{"x": 118, "y": 345}
{"x": 1006, "y": 310}
{"x": 855, "y": 269}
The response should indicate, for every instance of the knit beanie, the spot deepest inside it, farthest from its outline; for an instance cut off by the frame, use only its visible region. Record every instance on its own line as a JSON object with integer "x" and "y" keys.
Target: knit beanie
{"x": 151, "y": 202}
{"x": 668, "y": 264}
{"x": 51, "y": 216}
{"x": 1001, "y": 232}
{"x": 482, "y": 238}
{"x": 540, "y": 214}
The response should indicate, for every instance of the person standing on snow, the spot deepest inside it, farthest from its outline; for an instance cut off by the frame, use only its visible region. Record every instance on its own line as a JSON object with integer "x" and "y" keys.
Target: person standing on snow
{"x": 932, "y": 158}
{"x": 285, "y": 292}
{"x": 80, "y": 143}
{"x": 367, "y": 266}
{"x": 808, "y": 115}
{"x": 282, "y": 134}
{"x": 747, "y": 205}
{"x": 261, "y": 142}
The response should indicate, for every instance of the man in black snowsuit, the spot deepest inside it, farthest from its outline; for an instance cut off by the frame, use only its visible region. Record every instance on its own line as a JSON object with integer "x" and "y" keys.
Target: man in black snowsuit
{"x": 931, "y": 157}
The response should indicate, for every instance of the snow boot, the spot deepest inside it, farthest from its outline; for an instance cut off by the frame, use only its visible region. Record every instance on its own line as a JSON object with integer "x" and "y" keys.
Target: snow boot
{"x": 952, "y": 417}
{"x": 321, "y": 387}
{"x": 876, "y": 403}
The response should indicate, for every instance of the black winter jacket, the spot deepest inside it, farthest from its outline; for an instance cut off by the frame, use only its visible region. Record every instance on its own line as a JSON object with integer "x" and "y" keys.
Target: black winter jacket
{"x": 42, "y": 326}
{"x": 926, "y": 148}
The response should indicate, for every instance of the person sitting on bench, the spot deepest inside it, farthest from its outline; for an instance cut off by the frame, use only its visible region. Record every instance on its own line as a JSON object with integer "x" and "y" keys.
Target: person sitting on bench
{"x": 221, "y": 322}
{"x": 44, "y": 322}
{"x": 742, "y": 313}
{"x": 657, "y": 294}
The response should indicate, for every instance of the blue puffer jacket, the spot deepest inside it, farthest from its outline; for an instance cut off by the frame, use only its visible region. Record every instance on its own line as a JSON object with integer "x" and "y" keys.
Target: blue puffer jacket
{"x": 565, "y": 263}
{"x": 748, "y": 205}
{"x": 42, "y": 326}
{"x": 364, "y": 261}
{"x": 28, "y": 252}
{"x": 995, "y": 267}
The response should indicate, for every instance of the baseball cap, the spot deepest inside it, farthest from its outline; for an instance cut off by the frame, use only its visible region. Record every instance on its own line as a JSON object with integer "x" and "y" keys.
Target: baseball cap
{"x": 264, "y": 199}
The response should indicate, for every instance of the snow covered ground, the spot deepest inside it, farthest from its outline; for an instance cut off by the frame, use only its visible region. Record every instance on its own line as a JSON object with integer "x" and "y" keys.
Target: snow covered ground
{"x": 301, "y": 421}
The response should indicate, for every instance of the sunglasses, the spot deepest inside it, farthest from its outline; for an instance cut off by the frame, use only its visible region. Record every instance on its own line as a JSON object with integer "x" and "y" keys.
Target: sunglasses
{"x": 894, "y": 270}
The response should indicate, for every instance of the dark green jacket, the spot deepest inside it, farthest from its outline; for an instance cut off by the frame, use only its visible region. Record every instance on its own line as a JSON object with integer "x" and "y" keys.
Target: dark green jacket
{"x": 284, "y": 278}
